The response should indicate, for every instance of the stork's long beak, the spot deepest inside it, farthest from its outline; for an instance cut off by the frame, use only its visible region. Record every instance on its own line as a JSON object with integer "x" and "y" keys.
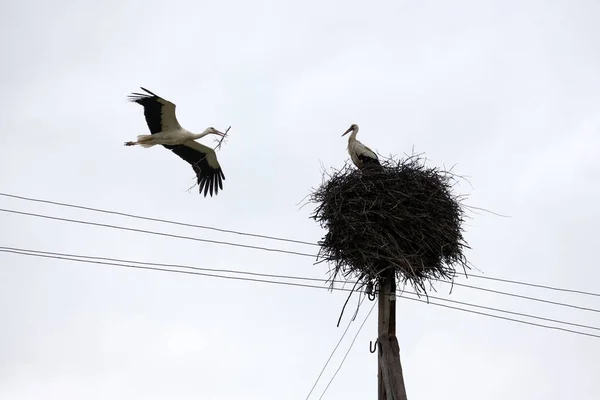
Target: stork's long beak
{"x": 348, "y": 131}
{"x": 219, "y": 133}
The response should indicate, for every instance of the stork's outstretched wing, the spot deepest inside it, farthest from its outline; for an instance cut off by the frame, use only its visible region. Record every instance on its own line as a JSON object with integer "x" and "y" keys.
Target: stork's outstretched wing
{"x": 159, "y": 113}
{"x": 205, "y": 164}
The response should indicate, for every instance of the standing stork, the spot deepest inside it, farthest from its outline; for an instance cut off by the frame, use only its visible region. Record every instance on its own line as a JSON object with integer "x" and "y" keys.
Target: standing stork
{"x": 166, "y": 131}
{"x": 362, "y": 156}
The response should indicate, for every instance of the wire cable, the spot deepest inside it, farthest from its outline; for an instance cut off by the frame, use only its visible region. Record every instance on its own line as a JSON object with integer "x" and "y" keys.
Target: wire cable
{"x": 520, "y": 296}
{"x": 267, "y": 249}
{"x": 283, "y": 283}
{"x": 169, "y": 265}
{"x": 114, "y": 264}
{"x": 117, "y": 260}
{"x": 62, "y": 204}
{"x": 348, "y": 351}
{"x": 535, "y": 285}
{"x": 165, "y": 221}
{"x": 505, "y": 318}
{"x": 75, "y": 221}
{"x": 333, "y": 352}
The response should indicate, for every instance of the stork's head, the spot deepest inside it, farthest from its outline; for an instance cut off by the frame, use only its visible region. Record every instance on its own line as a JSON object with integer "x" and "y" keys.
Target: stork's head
{"x": 353, "y": 128}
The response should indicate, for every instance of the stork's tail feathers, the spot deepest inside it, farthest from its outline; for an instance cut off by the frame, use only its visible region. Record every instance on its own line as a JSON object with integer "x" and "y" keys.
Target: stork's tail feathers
{"x": 145, "y": 140}
{"x": 142, "y": 140}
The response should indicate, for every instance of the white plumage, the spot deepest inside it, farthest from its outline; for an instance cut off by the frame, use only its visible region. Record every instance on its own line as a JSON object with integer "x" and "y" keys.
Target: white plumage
{"x": 166, "y": 131}
{"x": 361, "y": 155}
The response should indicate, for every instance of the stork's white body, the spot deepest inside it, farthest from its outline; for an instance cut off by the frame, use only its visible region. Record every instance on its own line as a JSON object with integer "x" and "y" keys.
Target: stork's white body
{"x": 172, "y": 138}
{"x": 359, "y": 151}
{"x": 361, "y": 155}
{"x": 166, "y": 131}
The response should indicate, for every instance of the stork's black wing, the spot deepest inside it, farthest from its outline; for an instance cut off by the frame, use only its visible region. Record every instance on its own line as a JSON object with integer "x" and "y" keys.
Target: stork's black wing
{"x": 159, "y": 113}
{"x": 205, "y": 164}
{"x": 367, "y": 160}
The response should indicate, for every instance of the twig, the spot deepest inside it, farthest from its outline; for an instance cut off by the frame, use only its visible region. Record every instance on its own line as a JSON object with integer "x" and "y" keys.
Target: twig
{"x": 218, "y": 146}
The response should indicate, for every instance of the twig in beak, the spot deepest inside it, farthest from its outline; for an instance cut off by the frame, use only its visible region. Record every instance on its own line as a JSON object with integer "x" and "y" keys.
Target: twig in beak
{"x": 218, "y": 146}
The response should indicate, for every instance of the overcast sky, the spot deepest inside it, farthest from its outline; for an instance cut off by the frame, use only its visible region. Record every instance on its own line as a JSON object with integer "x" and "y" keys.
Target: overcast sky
{"x": 507, "y": 91}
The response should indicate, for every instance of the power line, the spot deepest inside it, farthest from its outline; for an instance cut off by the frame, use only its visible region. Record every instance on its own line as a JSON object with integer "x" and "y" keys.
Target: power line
{"x": 165, "y": 221}
{"x": 75, "y": 221}
{"x": 288, "y": 284}
{"x": 267, "y": 249}
{"x": 511, "y": 312}
{"x": 348, "y": 351}
{"x": 536, "y": 285}
{"x": 521, "y": 296}
{"x": 504, "y": 318}
{"x": 333, "y": 352}
{"x": 169, "y": 265}
{"x": 62, "y": 204}
{"x": 163, "y": 269}
{"x": 278, "y": 276}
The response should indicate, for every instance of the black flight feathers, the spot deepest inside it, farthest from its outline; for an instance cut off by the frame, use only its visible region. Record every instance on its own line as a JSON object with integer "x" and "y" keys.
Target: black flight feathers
{"x": 209, "y": 179}
{"x": 136, "y": 97}
{"x": 152, "y": 109}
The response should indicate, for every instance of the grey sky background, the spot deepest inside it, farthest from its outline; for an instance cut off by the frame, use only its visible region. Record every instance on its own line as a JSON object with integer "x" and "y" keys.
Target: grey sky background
{"x": 509, "y": 91}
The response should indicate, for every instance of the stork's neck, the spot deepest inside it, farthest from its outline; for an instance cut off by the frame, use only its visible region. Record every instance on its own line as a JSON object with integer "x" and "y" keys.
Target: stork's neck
{"x": 352, "y": 136}
{"x": 199, "y": 135}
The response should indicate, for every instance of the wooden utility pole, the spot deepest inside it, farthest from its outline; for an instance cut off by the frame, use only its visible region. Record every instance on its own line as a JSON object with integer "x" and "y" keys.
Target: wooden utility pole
{"x": 389, "y": 371}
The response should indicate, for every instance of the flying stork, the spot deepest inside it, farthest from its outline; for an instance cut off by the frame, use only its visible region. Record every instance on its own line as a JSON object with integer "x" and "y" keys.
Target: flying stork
{"x": 166, "y": 131}
{"x": 362, "y": 156}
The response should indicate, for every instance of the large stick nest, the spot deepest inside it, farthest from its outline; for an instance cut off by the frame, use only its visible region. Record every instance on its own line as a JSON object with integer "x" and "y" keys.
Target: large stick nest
{"x": 403, "y": 216}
